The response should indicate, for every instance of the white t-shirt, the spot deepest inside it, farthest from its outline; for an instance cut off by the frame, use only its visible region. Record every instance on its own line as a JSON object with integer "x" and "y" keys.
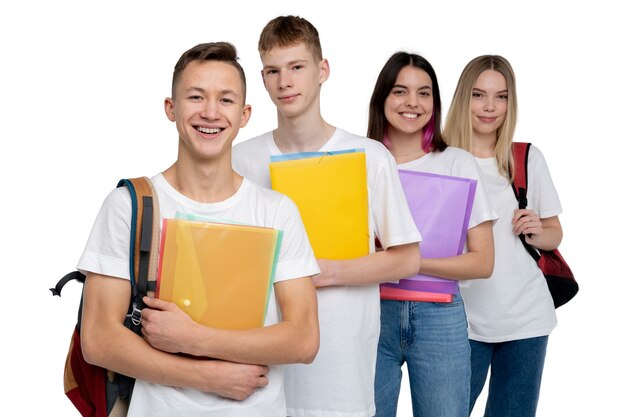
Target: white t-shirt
{"x": 107, "y": 252}
{"x": 456, "y": 162}
{"x": 515, "y": 302}
{"x": 340, "y": 382}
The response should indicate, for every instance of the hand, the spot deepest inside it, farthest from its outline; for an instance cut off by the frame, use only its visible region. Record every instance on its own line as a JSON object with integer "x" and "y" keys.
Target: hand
{"x": 527, "y": 222}
{"x": 165, "y": 326}
{"x": 232, "y": 380}
{"x": 329, "y": 273}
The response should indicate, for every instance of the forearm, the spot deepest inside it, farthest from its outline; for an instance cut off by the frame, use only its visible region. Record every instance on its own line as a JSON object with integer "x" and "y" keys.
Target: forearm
{"x": 477, "y": 262}
{"x": 295, "y": 339}
{"x": 395, "y": 263}
{"x": 282, "y": 343}
{"x": 548, "y": 240}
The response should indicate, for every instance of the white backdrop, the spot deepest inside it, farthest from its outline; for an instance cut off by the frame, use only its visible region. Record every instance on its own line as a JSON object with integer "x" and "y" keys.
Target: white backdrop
{"x": 83, "y": 85}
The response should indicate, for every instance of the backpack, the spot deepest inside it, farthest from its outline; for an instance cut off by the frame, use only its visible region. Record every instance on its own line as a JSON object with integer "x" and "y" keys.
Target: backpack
{"x": 95, "y": 391}
{"x": 559, "y": 277}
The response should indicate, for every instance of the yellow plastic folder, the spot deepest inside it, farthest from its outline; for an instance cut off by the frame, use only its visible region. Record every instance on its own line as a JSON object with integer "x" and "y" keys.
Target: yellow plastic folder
{"x": 220, "y": 274}
{"x": 330, "y": 190}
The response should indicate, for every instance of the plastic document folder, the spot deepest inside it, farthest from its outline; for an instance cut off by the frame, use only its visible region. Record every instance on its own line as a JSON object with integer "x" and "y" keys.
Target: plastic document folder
{"x": 441, "y": 206}
{"x": 220, "y": 274}
{"x": 330, "y": 190}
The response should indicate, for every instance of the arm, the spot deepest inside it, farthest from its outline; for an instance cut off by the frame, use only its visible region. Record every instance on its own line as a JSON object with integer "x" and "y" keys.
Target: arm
{"x": 543, "y": 234}
{"x": 295, "y": 339}
{"x": 476, "y": 263}
{"x": 106, "y": 342}
{"x": 395, "y": 263}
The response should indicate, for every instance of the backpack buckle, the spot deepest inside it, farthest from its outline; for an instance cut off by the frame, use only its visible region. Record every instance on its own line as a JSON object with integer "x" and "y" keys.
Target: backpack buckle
{"x": 135, "y": 316}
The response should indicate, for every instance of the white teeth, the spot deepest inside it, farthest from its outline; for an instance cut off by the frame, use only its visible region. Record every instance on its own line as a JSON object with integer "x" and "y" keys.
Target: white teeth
{"x": 209, "y": 130}
{"x": 409, "y": 115}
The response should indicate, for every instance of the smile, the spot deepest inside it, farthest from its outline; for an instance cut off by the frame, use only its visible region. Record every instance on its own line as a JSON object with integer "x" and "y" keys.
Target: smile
{"x": 209, "y": 130}
{"x": 410, "y": 115}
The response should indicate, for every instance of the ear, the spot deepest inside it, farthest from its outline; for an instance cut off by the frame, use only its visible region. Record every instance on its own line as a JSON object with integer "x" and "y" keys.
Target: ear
{"x": 169, "y": 109}
{"x": 247, "y": 112}
{"x": 324, "y": 70}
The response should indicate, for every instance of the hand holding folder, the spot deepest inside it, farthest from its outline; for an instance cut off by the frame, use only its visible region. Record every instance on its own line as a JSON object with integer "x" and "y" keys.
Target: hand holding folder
{"x": 220, "y": 274}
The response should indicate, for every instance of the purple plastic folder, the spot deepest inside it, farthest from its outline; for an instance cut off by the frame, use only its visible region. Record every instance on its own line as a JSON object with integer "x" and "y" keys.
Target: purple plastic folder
{"x": 441, "y": 206}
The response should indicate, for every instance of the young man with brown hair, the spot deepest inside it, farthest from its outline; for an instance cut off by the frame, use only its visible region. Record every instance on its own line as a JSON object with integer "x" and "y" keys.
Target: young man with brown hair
{"x": 216, "y": 366}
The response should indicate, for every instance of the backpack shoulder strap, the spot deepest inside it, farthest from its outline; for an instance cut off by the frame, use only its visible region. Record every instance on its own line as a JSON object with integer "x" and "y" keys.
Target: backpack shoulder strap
{"x": 144, "y": 242}
{"x": 520, "y": 185}
{"x": 520, "y": 175}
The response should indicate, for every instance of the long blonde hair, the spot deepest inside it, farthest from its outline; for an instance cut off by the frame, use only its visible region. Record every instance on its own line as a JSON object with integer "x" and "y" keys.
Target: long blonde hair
{"x": 458, "y": 127}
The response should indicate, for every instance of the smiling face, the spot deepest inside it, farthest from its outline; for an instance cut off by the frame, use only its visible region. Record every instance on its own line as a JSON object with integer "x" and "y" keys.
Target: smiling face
{"x": 409, "y": 105}
{"x": 208, "y": 109}
{"x": 489, "y": 104}
{"x": 293, "y": 79}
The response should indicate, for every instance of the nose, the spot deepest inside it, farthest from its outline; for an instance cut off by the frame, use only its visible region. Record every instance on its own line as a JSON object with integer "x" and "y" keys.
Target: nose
{"x": 210, "y": 110}
{"x": 490, "y": 104}
{"x": 412, "y": 100}
{"x": 284, "y": 80}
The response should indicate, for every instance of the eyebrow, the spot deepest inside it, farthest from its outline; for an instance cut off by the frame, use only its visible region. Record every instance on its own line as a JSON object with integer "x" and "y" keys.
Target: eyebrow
{"x": 202, "y": 90}
{"x": 424, "y": 87}
{"x": 295, "y": 61}
{"x": 483, "y": 91}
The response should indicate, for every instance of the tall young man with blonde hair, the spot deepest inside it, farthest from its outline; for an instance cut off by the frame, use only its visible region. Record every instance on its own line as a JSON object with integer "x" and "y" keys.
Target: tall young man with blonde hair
{"x": 340, "y": 382}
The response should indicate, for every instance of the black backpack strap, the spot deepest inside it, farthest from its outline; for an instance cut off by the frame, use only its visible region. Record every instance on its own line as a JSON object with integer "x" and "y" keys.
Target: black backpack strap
{"x": 520, "y": 152}
{"x": 74, "y": 275}
{"x": 145, "y": 236}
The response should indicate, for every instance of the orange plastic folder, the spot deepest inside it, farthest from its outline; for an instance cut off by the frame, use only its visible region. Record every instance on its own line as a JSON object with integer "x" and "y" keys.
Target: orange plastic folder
{"x": 220, "y": 274}
{"x": 330, "y": 190}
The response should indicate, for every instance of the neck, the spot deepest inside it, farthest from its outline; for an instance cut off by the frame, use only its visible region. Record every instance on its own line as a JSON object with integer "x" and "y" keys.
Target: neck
{"x": 208, "y": 182}
{"x": 404, "y": 147}
{"x": 484, "y": 146}
{"x": 302, "y": 134}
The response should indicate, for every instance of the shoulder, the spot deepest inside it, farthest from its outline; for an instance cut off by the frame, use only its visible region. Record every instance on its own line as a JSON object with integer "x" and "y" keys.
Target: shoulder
{"x": 374, "y": 150}
{"x": 536, "y": 159}
{"x": 254, "y": 143}
{"x": 268, "y": 198}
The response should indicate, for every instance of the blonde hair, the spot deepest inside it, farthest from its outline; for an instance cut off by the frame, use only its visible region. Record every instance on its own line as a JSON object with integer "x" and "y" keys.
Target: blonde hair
{"x": 458, "y": 127}
{"x": 284, "y": 31}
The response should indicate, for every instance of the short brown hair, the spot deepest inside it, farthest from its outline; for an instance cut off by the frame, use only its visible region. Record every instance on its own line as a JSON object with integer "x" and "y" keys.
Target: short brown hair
{"x": 288, "y": 31}
{"x": 212, "y": 51}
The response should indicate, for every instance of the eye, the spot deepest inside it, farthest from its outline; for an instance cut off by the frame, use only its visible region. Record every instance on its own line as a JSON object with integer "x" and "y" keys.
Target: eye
{"x": 297, "y": 67}
{"x": 398, "y": 92}
{"x": 477, "y": 94}
{"x": 271, "y": 71}
{"x": 424, "y": 93}
{"x": 195, "y": 98}
{"x": 502, "y": 97}
{"x": 227, "y": 100}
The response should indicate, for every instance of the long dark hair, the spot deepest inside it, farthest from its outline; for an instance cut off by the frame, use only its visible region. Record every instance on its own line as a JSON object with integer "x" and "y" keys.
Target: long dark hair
{"x": 377, "y": 123}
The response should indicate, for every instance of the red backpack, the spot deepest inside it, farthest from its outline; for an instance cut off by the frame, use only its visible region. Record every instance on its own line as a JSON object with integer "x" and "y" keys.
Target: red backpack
{"x": 95, "y": 391}
{"x": 559, "y": 277}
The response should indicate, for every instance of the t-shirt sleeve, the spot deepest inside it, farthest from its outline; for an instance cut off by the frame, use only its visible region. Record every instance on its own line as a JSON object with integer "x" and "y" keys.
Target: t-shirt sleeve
{"x": 296, "y": 258}
{"x": 107, "y": 251}
{"x": 542, "y": 195}
{"x": 393, "y": 222}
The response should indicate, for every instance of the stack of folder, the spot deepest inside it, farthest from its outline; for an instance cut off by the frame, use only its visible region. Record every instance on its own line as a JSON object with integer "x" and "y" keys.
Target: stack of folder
{"x": 330, "y": 190}
{"x": 221, "y": 274}
{"x": 441, "y": 206}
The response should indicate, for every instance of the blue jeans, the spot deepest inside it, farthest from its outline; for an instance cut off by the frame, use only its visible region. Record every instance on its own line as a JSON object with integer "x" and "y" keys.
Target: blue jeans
{"x": 516, "y": 369}
{"x": 432, "y": 339}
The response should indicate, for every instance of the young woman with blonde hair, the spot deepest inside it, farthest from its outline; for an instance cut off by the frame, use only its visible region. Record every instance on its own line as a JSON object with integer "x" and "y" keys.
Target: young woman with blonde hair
{"x": 512, "y": 313}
